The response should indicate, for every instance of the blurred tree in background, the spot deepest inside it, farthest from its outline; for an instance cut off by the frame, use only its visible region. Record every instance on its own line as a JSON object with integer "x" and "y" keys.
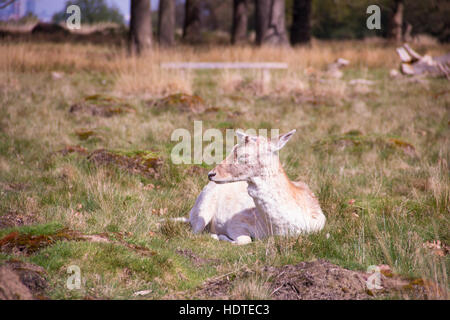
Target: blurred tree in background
{"x": 432, "y": 17}
{"x": 328, "y": 19}
{"x": 270, "y": 22}
{"x": 395, "y": 28}
{"x": 340, "y": 19}
{"x": 301, "y": 22}
{"x": 346, "y": 19}
{"x": 240, "y": 21}
{"x": 193, "y": 15}
{"x": 140, "y": 33}
{"x": 275, "y": 21}
{"x": 166, "y": 22}
{"x": 92, "y": 11}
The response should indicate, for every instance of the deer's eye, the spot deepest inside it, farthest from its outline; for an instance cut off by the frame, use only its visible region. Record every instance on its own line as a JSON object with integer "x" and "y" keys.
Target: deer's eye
{"x": 243, "y": 158}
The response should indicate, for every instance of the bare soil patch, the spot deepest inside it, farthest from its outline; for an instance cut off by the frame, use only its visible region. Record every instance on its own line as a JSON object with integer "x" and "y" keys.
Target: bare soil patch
{"x": 13, "y": 187}
{"x": 145, "y": 163}
{"x": 317, "y": 280}
{"x": 22, "y": 281}
{"x": 73, "y": 149}
{"x": 179, "y": 102}
{"x": 195, "y": 259}
{"x": 357, "y": 138}
{"x": 32, "y": 276}
{"x": 26, "y": 244}
{"x": 320, "y": 280}
{"x": 14, "y": 219}
{"x": 102, "y": 106}
{"x": 11, "y": 288}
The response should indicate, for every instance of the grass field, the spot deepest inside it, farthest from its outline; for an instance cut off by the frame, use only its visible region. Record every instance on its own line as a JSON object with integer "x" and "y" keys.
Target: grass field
{"x": 376, "y": 155}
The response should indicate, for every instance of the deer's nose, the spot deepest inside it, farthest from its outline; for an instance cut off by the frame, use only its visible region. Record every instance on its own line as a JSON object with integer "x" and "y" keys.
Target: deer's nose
{"x": 210, "y": 175}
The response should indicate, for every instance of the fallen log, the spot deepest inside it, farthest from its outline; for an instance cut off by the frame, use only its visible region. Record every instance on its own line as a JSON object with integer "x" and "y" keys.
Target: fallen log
{"x": 415, "y": 64}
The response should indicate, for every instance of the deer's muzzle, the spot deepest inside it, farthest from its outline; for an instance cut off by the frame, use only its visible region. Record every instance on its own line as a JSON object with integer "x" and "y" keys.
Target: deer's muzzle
{"x": 211, "y": 174}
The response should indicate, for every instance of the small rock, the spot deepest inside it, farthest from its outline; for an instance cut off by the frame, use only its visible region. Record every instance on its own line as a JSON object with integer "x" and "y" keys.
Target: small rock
{"x": 57, "y": 75}
{"x": 394, "y": 73}
{"x": 142, "y": 293}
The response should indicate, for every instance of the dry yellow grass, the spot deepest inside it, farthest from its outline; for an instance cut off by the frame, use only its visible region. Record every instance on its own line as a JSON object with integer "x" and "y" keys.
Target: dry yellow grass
{"x": 144, "y": 74}
{"x": 318, "y": 54}
{"x": 396, "y": 195}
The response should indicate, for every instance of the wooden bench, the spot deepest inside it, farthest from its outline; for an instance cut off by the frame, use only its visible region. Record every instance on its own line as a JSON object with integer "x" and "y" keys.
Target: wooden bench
{"x": 265, "y": 67}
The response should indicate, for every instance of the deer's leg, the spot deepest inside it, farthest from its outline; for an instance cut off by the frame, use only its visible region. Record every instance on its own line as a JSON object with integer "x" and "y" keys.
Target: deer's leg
{"x": 214, "y": 236}
{"x": 239, "y": 228}
{"x": 240, "y": 235}
{"x": 204, "y": 209}
{"x": 241, "y": 240}
{"x": 221, "y": 237}
{"x": 224, "y": 238}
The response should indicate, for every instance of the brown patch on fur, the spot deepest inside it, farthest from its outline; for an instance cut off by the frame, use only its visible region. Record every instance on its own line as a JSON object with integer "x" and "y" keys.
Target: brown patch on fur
{"x": 299, "y": 191}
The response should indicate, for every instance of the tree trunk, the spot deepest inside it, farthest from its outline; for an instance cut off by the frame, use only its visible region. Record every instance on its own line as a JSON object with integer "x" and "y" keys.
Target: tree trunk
{"x": 140, "y": 35}
{"x": 192, "y": 21}
{"x": 301, "y": 22}
{"x": 397, "y": 22}
{"x": 239, "y": 28}
{"x": 166, "y": 22}
{"x": 270, "y": 22}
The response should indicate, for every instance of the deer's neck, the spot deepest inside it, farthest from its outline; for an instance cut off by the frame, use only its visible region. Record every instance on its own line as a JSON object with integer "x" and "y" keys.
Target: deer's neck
{"x": 271, "y": 190}
{"x": 277, "y": 201}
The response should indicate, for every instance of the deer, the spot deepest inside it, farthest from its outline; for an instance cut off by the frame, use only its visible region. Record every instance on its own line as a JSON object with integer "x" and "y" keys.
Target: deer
{"x": 250, "y": 196}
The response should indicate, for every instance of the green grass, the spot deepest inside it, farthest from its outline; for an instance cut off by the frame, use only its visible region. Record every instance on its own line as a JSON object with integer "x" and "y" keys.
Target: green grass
{"x": 341, "y": 149}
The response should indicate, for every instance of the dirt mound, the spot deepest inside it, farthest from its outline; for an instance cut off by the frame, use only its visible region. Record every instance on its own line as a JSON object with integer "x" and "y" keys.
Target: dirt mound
{"x": 317, "y": 280}
{"x": 13, "y": 187}
{"x": 14, "y": 218}
{"x": 49, "y": 28}
{"x": 141, "y": 162}
{"x": 26, "y": 244}
{"x": 218, "y": 288}
{"x": 102, "y": 106}
{"x": 72, "y": 149}
{"x": 21, "y": 280}
{"x": 195, "y": 259}
{"x": 32, "y": 276}
{"x": 179, "y": 102}
{"x": 11, "y": 288}
{"x": 357, "y": 138}
{"x": 321, "y": 280}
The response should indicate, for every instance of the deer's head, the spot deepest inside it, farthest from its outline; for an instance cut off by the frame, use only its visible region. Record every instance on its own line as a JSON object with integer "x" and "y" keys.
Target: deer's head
{"x": 253, "y": 156}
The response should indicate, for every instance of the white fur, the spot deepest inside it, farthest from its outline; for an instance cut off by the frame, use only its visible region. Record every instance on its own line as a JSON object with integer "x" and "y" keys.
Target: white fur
{"x": 220, "y": 208}
{"x": 281, "y": 213}
{"x": 229, "y": 212}
{"x": 255, "y": 199}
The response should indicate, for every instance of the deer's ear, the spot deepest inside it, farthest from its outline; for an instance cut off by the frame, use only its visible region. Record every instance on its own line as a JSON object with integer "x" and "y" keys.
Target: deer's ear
{"x": 241, "y": 136}
{"x": 283, "y": 139}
